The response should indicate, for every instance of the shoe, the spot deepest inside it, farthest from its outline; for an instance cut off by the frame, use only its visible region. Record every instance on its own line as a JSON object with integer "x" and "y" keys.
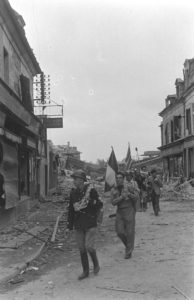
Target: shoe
{"x": 127, "y": 256}
{"x": 96, "y": 270}
{"x": 83, "y": 275}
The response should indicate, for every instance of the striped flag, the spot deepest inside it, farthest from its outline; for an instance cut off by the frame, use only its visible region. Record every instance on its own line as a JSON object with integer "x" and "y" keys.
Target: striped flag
{"x": 128, "y": 159}
{"x": 111, "y": 170}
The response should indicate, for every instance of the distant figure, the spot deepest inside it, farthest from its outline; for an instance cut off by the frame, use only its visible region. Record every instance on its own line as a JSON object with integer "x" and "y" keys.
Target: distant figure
{"x": 83, "y": 214}
{"x": 144, "y": 193}
{"x": 2, "y": 192}
{"x": 141, "y": 185}
{"x": 124, "y": 198}
{"x": 155, "y": 185}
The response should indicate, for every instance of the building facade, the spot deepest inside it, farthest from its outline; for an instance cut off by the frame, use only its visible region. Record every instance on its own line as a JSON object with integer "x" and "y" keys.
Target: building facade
{"x": 177, "y": 127}
{"x": 22, "y": 134}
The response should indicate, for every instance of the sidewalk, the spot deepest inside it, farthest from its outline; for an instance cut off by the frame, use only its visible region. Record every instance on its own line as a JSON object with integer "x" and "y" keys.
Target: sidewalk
{"x": 22, "y": 242}
{"x": 13, "y": 261}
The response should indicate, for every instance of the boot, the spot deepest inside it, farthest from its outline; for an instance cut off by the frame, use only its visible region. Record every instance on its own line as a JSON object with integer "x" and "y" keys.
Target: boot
{"x": 85, "y": 265}
{"x": 95, "y": 261}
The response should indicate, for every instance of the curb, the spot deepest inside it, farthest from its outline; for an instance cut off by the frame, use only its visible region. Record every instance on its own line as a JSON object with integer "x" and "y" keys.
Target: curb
{"x": 23, "y": 265}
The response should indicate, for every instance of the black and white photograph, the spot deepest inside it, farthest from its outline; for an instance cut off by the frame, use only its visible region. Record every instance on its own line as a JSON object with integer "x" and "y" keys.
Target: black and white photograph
{"x": 96, "y": 150}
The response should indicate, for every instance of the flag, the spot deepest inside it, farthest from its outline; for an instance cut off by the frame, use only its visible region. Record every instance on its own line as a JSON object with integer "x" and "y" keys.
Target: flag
{"x": 111, "y": 170}
{"x": 128, "y": 159}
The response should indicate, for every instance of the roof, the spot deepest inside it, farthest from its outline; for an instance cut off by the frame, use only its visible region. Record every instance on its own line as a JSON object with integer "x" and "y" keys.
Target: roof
{"x": 170, "y": 106}
{"x": 17, "y": 21}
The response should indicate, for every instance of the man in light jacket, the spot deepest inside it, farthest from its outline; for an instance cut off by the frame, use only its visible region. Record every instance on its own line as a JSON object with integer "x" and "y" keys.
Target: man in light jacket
{"x": 124, "y": 198}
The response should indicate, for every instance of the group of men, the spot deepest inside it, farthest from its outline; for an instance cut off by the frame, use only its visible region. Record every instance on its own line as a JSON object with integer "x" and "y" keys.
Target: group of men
{"x": 149, "y": 187}
{"x": 85, "y": 206}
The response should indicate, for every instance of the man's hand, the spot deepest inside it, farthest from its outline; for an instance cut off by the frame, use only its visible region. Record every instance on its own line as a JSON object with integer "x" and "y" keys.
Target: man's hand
{"x": 117, "y": 200}
{"x": 125, "y": 195}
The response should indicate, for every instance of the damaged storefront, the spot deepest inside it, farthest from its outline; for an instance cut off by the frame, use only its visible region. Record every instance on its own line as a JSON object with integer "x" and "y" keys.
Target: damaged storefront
{"x": 9, "y": 169}
{"x": 173, "y": 159}
{"x": 19, "y": 162}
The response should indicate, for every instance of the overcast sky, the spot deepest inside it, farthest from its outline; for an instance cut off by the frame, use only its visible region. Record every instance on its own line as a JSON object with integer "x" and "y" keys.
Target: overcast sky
{"x": 112, "y": 63}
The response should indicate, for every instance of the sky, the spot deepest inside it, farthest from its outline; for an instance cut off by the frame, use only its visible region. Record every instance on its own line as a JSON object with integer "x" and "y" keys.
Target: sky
{"x": 112, "y": 63}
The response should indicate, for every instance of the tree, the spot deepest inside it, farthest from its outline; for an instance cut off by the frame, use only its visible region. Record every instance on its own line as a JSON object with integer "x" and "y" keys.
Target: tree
{"x": 101, "y": 163}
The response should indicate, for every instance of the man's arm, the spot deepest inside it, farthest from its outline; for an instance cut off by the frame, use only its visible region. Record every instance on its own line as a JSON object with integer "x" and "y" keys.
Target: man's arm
{"x": 115, "y": 199}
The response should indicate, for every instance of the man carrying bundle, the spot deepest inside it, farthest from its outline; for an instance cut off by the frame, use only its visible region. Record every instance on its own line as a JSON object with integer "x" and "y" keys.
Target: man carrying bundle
{"x": 84, "y": 208}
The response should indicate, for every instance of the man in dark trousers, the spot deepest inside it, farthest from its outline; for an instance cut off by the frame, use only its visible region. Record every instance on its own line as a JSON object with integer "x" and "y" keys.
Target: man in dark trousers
{"x": 124, "y": 197}
{"x": 84, "y": 208}
{"x": 155, "y": 184}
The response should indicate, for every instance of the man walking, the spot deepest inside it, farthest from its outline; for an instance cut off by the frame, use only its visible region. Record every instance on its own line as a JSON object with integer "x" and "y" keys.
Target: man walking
{"x": 156, "y": 185}
{"x": 83, "y": 212}
{"x": 124, "y": 198}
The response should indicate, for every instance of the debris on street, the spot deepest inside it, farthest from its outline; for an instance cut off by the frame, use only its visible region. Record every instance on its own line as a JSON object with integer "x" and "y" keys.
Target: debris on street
{"x": 181, "y": 292}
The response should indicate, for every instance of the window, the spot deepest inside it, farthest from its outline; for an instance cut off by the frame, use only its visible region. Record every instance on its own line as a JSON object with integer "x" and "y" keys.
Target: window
{"x": 188, "y": 120}
{"x": 166, "y": 133}
{"x": 162, "y": 137}
{"x": 177, "y": 127}
{"x": 6, "y": 65}
{"x": 25, "y": 90}
{"x": 172, "y": 131}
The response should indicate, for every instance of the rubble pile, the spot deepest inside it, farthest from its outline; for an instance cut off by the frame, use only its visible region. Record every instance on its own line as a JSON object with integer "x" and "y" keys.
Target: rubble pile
{"x": 174, "y": 191}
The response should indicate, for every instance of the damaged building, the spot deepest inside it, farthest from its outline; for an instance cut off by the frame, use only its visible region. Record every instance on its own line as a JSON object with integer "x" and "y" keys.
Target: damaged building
{"x": 22, "y": 135}
{"x": 177, "y": 127}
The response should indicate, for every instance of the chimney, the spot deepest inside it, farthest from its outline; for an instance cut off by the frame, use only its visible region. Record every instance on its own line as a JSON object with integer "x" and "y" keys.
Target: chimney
{"x": 179, "y": 83}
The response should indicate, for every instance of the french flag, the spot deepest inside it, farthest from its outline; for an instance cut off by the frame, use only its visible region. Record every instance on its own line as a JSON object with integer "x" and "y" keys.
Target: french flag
{"x": 111, "y": 171}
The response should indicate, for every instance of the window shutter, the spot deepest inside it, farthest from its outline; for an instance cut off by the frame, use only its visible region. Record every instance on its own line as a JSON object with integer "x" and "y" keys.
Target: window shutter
{"x": 25, "y": 89}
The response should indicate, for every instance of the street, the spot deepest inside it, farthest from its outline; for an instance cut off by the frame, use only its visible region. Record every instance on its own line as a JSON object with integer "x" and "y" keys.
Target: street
{"x": 162, "y": 265}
